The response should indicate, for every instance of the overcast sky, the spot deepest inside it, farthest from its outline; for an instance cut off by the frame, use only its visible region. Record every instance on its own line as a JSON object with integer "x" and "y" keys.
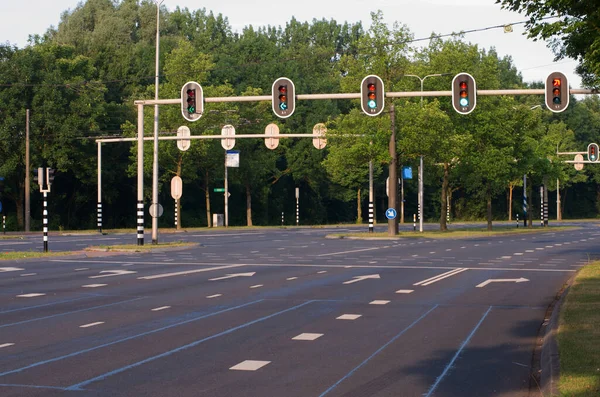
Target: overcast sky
{"x": 19, "y": 19}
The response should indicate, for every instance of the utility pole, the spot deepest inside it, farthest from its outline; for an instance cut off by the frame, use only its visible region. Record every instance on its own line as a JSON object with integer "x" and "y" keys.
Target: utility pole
{"x": 393, "y": 185}
{"x": 155, "y": 162}
{"x": 27, "y": 176}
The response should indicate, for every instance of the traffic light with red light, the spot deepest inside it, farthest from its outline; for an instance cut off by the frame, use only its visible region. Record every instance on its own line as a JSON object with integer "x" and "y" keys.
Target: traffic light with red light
{"x": 192, "y": 101}
{"x": 464, "y": 93}
{"x": 592, "y": 151}
{"x": 372, "y": 95}
{"x": 283, "y": 98}
{"x": 557, "y": 92}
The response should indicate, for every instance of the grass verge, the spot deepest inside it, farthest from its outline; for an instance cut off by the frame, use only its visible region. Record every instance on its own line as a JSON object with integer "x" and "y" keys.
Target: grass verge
{"x": 579, "y": 336}
{"x": 140, "y": 248}
{"x": 30, "y": 254}
{"x": 461, "y": 233}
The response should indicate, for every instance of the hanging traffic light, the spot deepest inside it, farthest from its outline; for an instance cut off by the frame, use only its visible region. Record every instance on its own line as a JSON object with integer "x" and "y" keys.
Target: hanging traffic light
{"x": 372, "y": 95}
{"x": 592, "y": 151}
{"x": 464, "y": 93}
{"x": 283, "y": 97}
{"x": 557, "y": 92}
{"x": 192, "y": 101}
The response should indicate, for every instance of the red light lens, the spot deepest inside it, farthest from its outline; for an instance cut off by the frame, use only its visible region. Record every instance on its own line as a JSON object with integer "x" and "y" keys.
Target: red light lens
{"x": 283, "y": 89}
{"x": 556, "y": 82}
{"x": 462, "y": 85}
{"x": 371, "y": 87}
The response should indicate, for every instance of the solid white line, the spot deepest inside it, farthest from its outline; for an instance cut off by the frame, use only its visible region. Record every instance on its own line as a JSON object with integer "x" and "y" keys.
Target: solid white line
{"x": 439, "y": 275}
{"x": 350, "y": 252}
{"x": 208, "y": 269}
{"x": 156, "y": 309}
{"x": 83, "y": 268}
{"x": 94, "y": 285}
{"x": 322, "y": 271}
{"x": 91, "y": 324}
{"x": 214, "y": 296}
{"x": 441, "y": 278}
{"x": 33, "y": 295}
{"x": 28, "y": 274}
{"x": 6, "y": 345}
{"x": 257, "y": 286}
{"x": 291, "y": 278}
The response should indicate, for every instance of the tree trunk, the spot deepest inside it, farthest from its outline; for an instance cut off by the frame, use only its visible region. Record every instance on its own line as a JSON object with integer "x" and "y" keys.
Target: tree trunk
{"x": 248, "y": 204}
{"x": 359, "y": 212}
{"x": 444, "y": 198}
{"x": 19, "y": 198}
{"x": 207, "y": 197}
{"x": 489, "y": 209}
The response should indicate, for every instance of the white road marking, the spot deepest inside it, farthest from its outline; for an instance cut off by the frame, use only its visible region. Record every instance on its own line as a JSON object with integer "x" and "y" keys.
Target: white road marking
{"x": 32, "y": 295}
{"x": 518, "y": 253}
{"x": 405, "y": 291}
{"x": 6, "y": 345}
{"x": 249, "y": 365}
{"x": 10, "y": 269}
{"x": 349, "y": 252}
{"x": 94, "y": 285}
{"x": 361, "y": 278}
{"x": 432, "y": 252}
{"x": 349, "y": 316}
{"x": 325, "y": 271}
{"x": 233, "y": 275}
{"x": 28, "y": 274}
{"x": 91, "y": 324}
{"x": 506, "y": 257}
{"x": 529, "y": 250}
{"x": 291, "y": 278}
{"x": 439, "y": 277}
{"x": 111, "y": 273}
{"x": 379, "y": 302}
{"x": 157, "y": 309}
{"x": 206, "y": 269}
{"x": 214, "y": 296}
{"x": 307, "y": 336}
{"x": 80, "y": 269}
{"x": 505, "y": 280}
{"x": 257, "y": 286}
{"x": 225, "y": 235}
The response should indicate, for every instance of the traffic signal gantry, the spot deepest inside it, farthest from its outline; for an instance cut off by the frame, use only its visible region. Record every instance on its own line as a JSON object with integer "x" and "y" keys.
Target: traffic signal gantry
{"x": 372, "y": 95}
{"x": 557, "y": 92}
{"x": 283, "y": 97}
{"x": 192, "y": 101}
{"x": 464, "y": 93}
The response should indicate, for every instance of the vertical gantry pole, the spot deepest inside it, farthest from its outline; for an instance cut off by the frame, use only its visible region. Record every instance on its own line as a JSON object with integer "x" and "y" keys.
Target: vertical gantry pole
{"x": 421, "y": 195}
{"x": 45, "y": 220}
{"x": 371, "y": 227}
{"x": 140, "y": 177}
{"x": 99, "y": 187}
{"x": 27, "y": 176}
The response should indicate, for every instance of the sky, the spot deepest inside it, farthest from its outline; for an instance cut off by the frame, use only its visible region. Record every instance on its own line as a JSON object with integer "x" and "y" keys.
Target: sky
{"x": 534, "y": 60}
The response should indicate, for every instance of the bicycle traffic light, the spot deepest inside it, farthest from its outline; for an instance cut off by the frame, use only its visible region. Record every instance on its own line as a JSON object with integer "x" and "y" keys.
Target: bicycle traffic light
{"x": 557, "y": 92}
{"x": 283, "y": 97}
{"x": 192, "y": 101}
{"x": 464, "y": 93}
{"x": 592, "y": 152}
{"x": 372, "y": 95}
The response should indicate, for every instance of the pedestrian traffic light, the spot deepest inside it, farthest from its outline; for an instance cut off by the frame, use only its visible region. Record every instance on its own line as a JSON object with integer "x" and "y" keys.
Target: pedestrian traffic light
{"x": 50, "y": 175}
{"x": 372, "y": 95}
{"x": 557, "y": 92}
{"x": 192, "y": 101}
{"x": 592, "y": 151}
{"x": 464, "y": 93}
{"x": 283, "y": 98}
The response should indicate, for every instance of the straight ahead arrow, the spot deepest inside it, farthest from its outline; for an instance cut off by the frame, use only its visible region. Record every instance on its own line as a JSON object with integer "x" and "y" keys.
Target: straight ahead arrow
{"x": 234, "y": 275}
{"x": 503, "y": 280}
{"x": 361, "y": 278}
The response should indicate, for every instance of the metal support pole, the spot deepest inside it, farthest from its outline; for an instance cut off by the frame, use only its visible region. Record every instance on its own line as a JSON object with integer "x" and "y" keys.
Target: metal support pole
{"x": 4, "y": 223}
{"x": 393, "y": 184}
{"x": 45, "y": 220}
{"x": 297, "y": 210}
{"x": 155, "y": 162}
{"x": 371, "y": 196}
{"x": 524, "y": 200}
{"x": 27, "y": 176}
{"x": 545, "y": 198}
{"x": 542, "y": 206}
{"x": 402, "y": 197}
{"x": 558, "y": 213}
{"x": 414, "y": 222}
{"x": 281, "y": 218}
{"x": 140, "y": 177}
{"x": 517, "y": 220}
{"x": 176, "y": 205}
{"x": 421, "y": 195}
{"x": 99, "y": 187}
{"x": 226, "y": 194}
{"x": 447, "y": 209}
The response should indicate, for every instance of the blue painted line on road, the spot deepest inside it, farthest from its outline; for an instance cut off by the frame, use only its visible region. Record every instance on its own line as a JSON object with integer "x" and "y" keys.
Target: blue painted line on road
{"x": 462, "y": 346}
{"x": 181, "y": 348}
{"x": 77, "y": 353}
{"x": 32, "y": 386}
{"x": 66, "y": 313}
{"x": 46, "y": 304}
{"x": 377, "y": 351}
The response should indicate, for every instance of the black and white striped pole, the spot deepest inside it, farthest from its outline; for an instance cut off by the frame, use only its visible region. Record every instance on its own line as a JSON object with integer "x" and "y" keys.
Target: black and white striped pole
{"x": 140, "y": 222}
{"x": 282, "y": 218}
{"x": 99, "y": 210}
{"x": 45, "y": 221}
{"x": 297, "y": 206}
{"x": 541, "y": 206}
{"x": 371, "y": 227}
{"x": 176, "y": 205}
{"x": 4, "y": 223}
{"x": 140, "y": 176}
{"x": 176, "y": 193}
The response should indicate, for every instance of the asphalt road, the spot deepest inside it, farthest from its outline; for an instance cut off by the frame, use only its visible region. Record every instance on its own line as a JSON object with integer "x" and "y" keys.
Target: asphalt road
{"x": 284, "y": 313}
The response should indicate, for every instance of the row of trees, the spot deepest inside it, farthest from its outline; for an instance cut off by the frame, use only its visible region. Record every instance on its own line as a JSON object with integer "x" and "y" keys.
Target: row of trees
{"x": 80, "y": 81}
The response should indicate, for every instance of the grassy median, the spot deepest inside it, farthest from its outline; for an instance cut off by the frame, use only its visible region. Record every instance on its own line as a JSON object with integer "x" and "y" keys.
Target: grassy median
{"x": 579, "y": 336}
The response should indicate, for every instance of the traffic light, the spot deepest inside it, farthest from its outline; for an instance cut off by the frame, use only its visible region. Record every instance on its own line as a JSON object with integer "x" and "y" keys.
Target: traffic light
{"x": 557, "y": 92}
{"x": 39, "y": 177}
{"x": 592, "y": 151}
{"x": 192, "y": 101}
{"x": 283, "y": 98}
{"x": 50, "y": 175}
{"x": 372, "y": 95}
{"x": 464, "y": 93}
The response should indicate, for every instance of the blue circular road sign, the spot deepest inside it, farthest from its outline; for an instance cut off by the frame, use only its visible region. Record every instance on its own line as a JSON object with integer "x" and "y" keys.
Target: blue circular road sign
{"x": 390, "y": 213}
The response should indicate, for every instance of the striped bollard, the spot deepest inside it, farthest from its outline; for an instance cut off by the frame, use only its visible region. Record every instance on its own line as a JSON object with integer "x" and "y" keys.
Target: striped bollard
{"x": 517, "y": 221}
{"x": 45, "y": 221}
{"x": 414, "y": 222}
{"x": 282, "y": 219}
{"x": 99, "y": 217}
{"x": 370, "y": 217}
{"x": 541, "y": 206}
{"x": 4, "y": 223}
{"x": 140, "y": 223}
{"x": 176, "y": 214}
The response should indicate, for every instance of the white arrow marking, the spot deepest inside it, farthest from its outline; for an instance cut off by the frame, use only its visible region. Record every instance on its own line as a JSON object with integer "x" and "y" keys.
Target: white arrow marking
{"x": 110, "y": 273}
{"x": 503, "y": 280}
{"x": 361, "y": 278}
{"x": 233, "y": 276}
{"x": 10, "y": 269}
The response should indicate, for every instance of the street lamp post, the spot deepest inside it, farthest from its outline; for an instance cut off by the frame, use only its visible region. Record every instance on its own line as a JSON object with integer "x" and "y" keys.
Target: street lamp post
{"x": 155, "y": 162}
{"x": 420, "y": 194}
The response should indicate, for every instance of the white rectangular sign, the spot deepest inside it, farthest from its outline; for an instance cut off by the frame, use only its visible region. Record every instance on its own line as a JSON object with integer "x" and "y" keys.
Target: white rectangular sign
{"x": 232, "y": 159}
